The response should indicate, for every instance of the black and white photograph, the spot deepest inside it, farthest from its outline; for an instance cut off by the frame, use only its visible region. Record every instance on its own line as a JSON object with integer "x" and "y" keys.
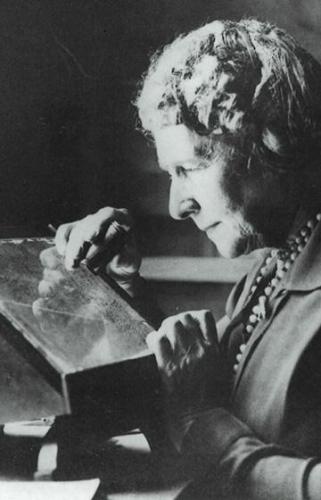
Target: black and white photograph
{"x": 160, "y": 250}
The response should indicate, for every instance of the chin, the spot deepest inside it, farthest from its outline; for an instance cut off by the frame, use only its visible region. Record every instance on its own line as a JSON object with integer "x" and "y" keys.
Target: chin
{"x": 229, "y": 252}
{"x": 230, "y": 248}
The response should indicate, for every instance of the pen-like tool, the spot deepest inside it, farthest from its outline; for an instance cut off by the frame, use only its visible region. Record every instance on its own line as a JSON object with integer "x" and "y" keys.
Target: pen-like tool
{"x": 117, "y": 236}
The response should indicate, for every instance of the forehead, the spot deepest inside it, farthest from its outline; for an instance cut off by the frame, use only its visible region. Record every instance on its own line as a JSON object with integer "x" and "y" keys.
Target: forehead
{"x": 176, "y": 144}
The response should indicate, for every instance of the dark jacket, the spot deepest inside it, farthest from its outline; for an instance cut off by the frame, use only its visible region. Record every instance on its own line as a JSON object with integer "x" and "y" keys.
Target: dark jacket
{"x": 266, "y": 442}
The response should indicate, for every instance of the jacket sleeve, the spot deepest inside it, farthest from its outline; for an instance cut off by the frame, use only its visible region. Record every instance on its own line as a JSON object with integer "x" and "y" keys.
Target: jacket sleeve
{"x": 241, "y": 466}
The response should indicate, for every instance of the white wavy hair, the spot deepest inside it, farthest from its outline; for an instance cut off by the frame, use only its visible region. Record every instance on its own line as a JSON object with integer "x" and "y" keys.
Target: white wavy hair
{"x": 236, "y": 78}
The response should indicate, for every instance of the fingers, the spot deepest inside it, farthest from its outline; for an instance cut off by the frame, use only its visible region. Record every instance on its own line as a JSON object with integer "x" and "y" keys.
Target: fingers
{"x": 161, "y": 347}
{"x": 85, "y": 238}
{"x": 183, "y": 347}
{"x": 182, "y": 332}
{"x": 49, "y": 258}
{"x": 37, "y": 307}
{"x": 207, "y": 325}
{"x": 62, "y": 237}
{"x": 52, "y": 280}
{"x": 182, "y": 336}
{"x": 78, "y": 243}
{"x": 198, "y": 326}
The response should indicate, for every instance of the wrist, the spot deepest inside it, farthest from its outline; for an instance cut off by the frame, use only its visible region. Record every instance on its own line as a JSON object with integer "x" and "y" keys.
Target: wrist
{"x": 179, "y": 425}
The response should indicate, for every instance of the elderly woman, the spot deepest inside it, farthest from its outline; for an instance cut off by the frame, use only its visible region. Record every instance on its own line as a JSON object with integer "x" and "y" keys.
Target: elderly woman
{"x": 234, "y": 110}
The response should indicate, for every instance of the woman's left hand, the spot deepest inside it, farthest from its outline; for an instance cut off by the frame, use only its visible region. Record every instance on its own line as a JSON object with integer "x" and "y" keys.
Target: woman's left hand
{"x": 187, "y": 354}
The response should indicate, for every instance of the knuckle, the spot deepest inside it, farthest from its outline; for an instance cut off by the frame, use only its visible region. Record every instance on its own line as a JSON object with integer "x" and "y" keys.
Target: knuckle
{"x": 47, "y": 274}
{"x": 61, "y": 233}
{"x": 45, "y": 288}
{"x": 63, "y": 228}
{"x": 171, "y": 324}
{"x": 86, "y": 222}
{"x": 166, "y": 323}
{"x": 48, "y": 257}
{"x": 191, "y": 315}
{"x": 204, "y": 313}
{"x": 184, "y": 316}
{"x": 45, "y": 253}
{"x": 105, "y": 212}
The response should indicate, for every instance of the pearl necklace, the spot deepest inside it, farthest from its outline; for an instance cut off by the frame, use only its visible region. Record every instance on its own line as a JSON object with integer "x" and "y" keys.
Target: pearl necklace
{"x": 285, "y": 258}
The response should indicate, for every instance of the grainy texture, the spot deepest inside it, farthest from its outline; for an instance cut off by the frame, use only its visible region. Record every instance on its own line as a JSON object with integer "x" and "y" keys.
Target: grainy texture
{"x": 83, "y": 325}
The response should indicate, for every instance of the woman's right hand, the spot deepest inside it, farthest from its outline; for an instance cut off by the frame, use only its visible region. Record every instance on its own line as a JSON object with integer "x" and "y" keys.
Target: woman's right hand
{"x": 88, "y": 237}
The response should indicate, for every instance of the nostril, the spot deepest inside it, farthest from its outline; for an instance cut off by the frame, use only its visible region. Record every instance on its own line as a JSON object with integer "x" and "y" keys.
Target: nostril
{"x": 188, "y": 208}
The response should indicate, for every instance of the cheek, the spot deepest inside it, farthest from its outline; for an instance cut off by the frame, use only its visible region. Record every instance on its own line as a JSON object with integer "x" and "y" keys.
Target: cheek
{"x": 232, "y": 188}
{"x": 211, "y": 194}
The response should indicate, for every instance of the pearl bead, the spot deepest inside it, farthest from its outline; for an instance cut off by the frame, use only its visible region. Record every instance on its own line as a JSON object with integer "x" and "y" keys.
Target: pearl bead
{"x": 253, "y": 319}
{"x": 285, "y": 257}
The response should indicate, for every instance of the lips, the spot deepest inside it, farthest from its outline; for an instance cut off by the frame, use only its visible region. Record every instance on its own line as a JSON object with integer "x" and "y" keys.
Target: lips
{"x": 212, "y": 226}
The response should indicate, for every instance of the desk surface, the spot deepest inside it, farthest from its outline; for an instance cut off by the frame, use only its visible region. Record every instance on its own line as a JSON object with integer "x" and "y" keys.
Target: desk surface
{"x": 124, "y": 464}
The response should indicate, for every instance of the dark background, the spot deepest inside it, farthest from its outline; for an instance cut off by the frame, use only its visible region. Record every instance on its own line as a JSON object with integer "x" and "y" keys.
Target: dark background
{"x": 68, "y": 74}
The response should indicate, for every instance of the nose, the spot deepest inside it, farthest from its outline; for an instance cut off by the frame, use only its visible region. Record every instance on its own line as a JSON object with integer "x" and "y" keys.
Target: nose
{"x": 181, "y": 204}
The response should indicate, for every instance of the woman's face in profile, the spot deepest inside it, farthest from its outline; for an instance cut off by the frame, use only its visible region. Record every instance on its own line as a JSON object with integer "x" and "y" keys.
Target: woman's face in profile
{"x": 199, "y": 190}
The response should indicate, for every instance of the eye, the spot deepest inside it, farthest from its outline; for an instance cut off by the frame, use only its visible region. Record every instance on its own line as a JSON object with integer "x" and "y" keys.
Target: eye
{"x": 180, "y": 171}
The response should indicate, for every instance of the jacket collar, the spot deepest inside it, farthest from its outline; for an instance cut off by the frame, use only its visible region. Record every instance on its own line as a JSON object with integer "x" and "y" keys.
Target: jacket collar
{"x": 305, "y": 273}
